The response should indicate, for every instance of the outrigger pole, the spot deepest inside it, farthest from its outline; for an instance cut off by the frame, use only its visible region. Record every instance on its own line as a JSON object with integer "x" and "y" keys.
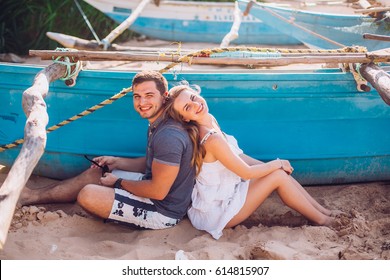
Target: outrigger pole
{"x": 34, "y": 144}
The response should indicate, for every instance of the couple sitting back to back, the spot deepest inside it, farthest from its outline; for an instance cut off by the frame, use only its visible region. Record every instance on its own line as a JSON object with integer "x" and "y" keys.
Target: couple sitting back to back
{"x": 188, "y": 158}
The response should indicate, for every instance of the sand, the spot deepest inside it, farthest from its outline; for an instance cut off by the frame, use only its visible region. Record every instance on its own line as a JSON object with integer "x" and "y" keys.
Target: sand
{"x": 273, "y": 232}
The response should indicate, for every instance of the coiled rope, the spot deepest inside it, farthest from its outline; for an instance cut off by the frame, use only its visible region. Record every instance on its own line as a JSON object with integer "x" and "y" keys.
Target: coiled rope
{"x": 72, "y": 67}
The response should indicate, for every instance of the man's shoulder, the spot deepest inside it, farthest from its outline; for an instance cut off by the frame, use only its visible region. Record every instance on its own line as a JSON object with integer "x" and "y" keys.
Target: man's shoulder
{"x": 172, "y": 125}
{"x": 172, "y": 132}
{"x": 171, "y": 137}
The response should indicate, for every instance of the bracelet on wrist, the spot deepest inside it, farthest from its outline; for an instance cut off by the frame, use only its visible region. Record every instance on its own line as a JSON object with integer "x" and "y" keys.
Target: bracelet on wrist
{"x": 118, "y": 183}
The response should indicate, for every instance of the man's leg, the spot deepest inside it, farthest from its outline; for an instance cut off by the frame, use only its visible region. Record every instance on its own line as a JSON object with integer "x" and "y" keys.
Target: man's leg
{"x": 120, "y": 206}
{"x": 97, "y": 200}
{"x": 62, "y": 192}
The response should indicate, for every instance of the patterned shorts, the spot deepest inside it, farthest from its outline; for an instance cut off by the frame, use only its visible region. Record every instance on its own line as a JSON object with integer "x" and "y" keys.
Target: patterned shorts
{"x": 137, "y": 212}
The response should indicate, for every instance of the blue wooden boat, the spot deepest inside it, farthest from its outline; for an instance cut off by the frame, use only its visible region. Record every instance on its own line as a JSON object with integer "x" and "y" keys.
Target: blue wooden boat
{"x": 344, "y": 29}
{"x": 331, "y": 132}
{"x": 189, "y": 21}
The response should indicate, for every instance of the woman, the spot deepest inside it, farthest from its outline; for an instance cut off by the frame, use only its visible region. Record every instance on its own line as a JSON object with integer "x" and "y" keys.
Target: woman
{"x": 230, "y": 186}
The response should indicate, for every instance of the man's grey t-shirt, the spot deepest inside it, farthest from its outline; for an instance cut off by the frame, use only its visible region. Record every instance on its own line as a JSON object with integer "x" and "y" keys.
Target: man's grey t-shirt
{"x": 170, "y": 144}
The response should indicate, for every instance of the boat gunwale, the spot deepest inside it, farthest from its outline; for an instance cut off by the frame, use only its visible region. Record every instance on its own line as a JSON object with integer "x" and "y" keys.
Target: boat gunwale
{"x": 299, "y": 11}
{"x": 240, "y": 72}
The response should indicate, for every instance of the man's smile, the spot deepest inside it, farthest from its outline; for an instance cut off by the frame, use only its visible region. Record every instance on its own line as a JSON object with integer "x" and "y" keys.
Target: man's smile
{"x": 145, "y": 108}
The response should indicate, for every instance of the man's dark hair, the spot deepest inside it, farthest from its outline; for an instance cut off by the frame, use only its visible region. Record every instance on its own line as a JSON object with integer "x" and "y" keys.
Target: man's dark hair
{"x": 157, "y": 77}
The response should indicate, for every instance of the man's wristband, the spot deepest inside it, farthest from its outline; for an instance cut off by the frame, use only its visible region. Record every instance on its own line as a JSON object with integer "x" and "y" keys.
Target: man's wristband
{"x": 118, "y": 183}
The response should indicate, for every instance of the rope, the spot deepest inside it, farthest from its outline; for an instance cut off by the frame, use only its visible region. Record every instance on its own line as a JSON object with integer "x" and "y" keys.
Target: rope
{"x": 361, "y": 83}
{"x": 11, "y": 145}
{"x": 71, "y": 119}
{"x": 64, "y": 60}
{"x": 291, "y": 21}
{"x": 187, "y": 59}
{"x": 209, "y": 52}
{"x": 87, "y": 21}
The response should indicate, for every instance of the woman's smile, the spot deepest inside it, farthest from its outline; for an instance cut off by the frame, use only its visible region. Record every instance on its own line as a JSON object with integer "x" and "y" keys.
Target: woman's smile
{"x": 200, "y": 109}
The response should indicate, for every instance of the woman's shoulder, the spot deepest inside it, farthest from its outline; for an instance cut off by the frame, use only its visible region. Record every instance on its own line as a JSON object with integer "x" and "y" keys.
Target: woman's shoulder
{"x": 206, "y": 134}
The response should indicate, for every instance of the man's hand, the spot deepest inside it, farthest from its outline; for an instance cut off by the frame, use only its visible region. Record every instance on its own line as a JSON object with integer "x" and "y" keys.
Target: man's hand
{"x": 110, "y": 161}
{"x": 108, "y": 179}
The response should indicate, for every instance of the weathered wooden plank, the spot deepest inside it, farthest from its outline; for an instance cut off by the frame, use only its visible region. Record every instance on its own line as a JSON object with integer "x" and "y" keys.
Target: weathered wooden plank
{"x": 378, "y": 78}
{"x": 124, "y": 25}
{"x": 284, "y": 59}
{"x": 34, "y": 107}
{"x": 376, "y": 37}
{"x": 233, "y": 34}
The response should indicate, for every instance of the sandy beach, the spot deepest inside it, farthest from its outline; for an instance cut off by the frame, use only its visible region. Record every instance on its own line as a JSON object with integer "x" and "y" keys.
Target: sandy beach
{"x": 273, "y": 232}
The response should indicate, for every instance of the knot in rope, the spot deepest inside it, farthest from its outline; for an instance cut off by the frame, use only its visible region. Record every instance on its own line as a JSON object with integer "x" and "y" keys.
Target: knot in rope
{"x": 72, "y": 67}
{"x": 355, "y": 49}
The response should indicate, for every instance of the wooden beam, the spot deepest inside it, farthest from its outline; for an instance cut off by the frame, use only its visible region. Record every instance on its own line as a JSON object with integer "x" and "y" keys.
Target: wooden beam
{"x": 378, "y": 78}
{"x": 364, "y": 4}
{"x": 285, "y": 59}
{"x": 233, "y": 33}
{"x": 77, "y": 43}
{"x": 376, "y": 37}
{"x": 124, "y": 25}
{"x": 372, "y": 10}
{"x": 34, "y": 107}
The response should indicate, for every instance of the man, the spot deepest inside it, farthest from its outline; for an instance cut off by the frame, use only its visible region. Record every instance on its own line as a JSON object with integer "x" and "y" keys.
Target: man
{"x": 156, "y": 199}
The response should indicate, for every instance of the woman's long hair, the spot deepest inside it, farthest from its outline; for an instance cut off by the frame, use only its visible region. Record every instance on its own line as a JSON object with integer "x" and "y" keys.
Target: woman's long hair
{"x": 191, "y": 127}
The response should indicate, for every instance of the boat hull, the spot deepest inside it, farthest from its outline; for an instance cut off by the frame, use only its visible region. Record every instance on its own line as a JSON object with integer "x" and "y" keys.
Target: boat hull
{"x": 317, "y": 119}
{"x": 186, "y": 21}
{"x": 347, "y": 30}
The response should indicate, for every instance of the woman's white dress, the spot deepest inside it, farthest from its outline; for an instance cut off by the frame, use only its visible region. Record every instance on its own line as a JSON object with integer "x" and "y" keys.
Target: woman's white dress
{"x": 218, "y": 194}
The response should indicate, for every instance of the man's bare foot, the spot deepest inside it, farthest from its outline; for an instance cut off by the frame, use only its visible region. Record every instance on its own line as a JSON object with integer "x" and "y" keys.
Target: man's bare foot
{"x": 27, "y": 197}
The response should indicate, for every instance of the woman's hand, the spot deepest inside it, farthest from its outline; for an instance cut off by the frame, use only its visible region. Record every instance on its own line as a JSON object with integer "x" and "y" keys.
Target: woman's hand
{"x": 108, "y": 180}
{"x": 286, "y": 166}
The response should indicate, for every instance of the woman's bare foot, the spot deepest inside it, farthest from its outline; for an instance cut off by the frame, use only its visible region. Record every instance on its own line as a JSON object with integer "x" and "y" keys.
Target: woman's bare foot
{"x": 338, "y": 223}
{"x": 325, "y": 211}
{"x": 333, "y": 213}
{"x": 338, "y": 213}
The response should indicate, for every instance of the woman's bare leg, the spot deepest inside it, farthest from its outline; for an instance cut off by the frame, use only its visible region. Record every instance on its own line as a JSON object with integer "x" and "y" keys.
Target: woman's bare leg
{"x": 261, "y": 188}
{"x": 251, "y": 161}
{"x": 315, "y": 203}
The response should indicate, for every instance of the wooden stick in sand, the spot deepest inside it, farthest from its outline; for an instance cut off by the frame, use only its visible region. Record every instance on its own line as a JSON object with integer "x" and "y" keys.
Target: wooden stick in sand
{"x": 34, "y": 107}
